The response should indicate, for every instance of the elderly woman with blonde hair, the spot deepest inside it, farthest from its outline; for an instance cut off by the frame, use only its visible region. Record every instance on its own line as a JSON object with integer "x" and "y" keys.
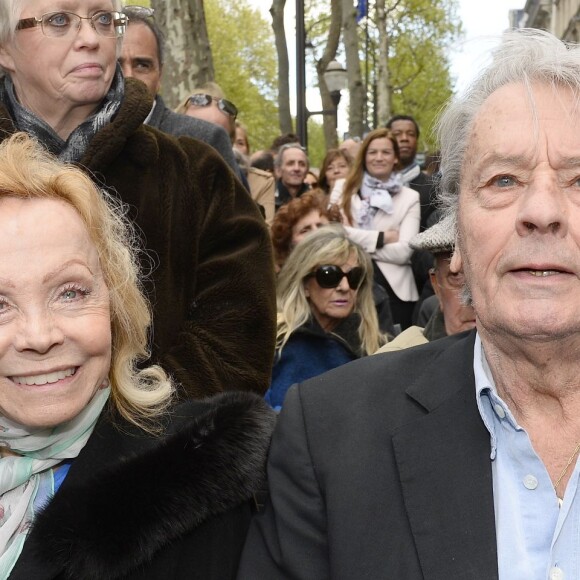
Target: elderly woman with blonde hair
{"x": 101, "y": 476}
{"x": 326, "y": 312}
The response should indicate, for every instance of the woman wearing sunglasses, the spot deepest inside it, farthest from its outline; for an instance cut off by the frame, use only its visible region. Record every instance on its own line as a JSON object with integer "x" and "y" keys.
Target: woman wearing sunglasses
{"x": 382, "y": 216}
{"x": 326, "y": 312}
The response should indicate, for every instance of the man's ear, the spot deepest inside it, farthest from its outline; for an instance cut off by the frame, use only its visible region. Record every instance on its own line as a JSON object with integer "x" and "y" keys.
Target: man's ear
{"x": 456, "y": 263}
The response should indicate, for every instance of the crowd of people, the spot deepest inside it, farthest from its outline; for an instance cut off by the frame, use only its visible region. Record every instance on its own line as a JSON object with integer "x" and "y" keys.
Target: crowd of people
{"x": 179, "y": 313}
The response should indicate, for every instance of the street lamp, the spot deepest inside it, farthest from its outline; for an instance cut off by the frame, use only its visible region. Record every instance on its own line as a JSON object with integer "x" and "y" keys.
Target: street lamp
{"x": 336, "y": 79}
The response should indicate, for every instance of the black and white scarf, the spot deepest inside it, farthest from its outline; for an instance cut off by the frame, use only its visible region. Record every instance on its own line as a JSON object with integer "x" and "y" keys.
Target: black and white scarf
{"x": 75, "y": 146}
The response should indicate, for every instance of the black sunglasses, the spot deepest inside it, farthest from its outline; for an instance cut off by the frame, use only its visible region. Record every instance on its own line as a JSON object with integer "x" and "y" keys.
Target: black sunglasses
{"x": 226, "y": 107}
{"x": 330, "y": 276}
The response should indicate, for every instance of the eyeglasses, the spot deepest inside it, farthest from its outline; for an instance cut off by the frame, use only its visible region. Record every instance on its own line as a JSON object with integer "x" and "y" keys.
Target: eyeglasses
{"x": 226, "y": 107}
{"x": 331, "y": 276}
{"x": 60, "y": 24}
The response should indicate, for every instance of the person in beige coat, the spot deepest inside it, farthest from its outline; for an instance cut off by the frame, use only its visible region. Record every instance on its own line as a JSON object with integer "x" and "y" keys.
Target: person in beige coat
{"x": 382, "y": 216}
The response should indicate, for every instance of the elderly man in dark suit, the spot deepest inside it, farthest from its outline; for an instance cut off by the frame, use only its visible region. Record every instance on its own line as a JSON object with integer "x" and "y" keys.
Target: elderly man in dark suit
{"x": 458, "y": 459}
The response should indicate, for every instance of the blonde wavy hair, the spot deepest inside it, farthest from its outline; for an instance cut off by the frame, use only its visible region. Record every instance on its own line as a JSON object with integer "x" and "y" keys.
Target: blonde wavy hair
{"x": 329, "y": 244}
{"x": 28, "y": 171}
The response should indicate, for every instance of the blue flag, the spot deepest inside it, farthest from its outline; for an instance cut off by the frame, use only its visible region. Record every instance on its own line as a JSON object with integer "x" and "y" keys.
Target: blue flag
{"x": 361, "y": 10}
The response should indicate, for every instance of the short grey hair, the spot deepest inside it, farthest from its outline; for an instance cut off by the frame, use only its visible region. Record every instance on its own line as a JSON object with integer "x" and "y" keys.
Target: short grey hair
{"x": 524, "y": 56}
{"x": 284, "y": 148}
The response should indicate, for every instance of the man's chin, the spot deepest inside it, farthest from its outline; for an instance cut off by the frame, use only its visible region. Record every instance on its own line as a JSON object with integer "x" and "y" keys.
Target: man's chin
{"x": 406, "y": 160}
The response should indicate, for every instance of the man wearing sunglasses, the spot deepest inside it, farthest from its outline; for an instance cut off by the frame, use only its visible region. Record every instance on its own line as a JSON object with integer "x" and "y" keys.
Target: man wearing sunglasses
{"x": 142, "y": 58}
{"x": 209, "y": 104}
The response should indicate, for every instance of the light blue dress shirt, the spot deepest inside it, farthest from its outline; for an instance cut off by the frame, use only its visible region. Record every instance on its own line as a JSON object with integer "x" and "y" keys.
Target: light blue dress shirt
{"x": 535, "y": 538}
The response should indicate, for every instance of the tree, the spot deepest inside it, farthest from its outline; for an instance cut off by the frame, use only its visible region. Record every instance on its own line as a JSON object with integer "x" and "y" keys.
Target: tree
{"x": 413, "y": 70}
{"x": 353, "y": 66}
{"x": 245, "y": 65}
{"x": 285, "y": 118}
{"x": 401, "y": 46}
{"x": 188, "y": 60}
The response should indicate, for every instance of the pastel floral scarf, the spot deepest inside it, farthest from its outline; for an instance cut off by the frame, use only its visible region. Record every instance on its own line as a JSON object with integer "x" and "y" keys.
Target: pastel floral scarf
{"x": 26, "y": 480}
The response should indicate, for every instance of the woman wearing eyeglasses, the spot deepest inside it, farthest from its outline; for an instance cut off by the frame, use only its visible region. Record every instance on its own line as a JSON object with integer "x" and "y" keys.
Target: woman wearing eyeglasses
{"x": 382, "y": 215}
{"x": 326, "y": 312}
{"x": 63, "y": 85}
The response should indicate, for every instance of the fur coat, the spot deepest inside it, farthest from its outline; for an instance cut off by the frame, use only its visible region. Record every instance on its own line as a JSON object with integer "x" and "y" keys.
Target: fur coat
{"x": 210, "y": 259}
{"x": 139, "y": 507}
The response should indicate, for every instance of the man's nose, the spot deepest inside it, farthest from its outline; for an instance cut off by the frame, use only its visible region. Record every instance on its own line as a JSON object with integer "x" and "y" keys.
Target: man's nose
{"x": 543, "y": 208}
{"x": 126, "y": 68}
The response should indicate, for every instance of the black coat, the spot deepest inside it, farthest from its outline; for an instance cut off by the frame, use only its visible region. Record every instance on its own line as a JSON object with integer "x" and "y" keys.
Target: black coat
{"x": 380, "y": 469}
{"x": 139, "y": 507}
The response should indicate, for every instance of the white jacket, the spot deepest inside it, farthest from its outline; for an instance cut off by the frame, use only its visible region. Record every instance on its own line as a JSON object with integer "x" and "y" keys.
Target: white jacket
{"x": 394, "y": 260}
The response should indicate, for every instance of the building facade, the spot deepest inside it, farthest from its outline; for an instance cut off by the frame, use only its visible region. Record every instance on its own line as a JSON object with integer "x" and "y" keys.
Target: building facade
{"x": 560, "y": 17}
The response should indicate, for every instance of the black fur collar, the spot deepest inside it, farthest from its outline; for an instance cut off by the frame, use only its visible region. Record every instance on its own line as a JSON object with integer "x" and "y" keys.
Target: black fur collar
{"x": 106, "y": 524}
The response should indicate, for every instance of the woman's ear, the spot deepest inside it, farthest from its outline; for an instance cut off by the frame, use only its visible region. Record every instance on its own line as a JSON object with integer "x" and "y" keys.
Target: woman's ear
{"x": 6, "y": 60}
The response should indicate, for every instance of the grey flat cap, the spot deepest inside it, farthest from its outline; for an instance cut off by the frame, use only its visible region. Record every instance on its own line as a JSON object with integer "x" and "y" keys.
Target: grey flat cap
{"x": 438, "y": 239}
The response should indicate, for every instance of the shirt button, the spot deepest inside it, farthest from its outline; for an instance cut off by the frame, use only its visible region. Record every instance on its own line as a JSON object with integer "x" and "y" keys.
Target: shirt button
{"x": 530, "y": 482}
{"x": 499, "y": 410}
{"x": 556, "y": 574}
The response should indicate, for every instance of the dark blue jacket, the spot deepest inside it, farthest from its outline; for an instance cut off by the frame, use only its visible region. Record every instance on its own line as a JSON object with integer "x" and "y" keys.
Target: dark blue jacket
{"x": 310, "y": 352}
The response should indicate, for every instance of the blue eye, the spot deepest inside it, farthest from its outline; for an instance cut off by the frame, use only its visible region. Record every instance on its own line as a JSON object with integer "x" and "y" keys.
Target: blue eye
{"x": 104, "y": 18}
{"x": 74, "y": 293}
{"x": 58, "y": 19}
{"x": 504, "y": 181}
{"x": 69, "y": 294}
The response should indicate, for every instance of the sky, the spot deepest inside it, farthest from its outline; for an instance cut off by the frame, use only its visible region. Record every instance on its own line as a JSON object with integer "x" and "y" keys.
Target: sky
{"x": 483, "y": 23}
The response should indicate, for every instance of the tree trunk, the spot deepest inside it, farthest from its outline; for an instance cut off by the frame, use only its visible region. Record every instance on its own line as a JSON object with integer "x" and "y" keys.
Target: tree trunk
{"x": 353, "y": 65}
{"x": 329, "y": 121}
{"x": 188, "y": 58}
{"x": 383, "y": 81}
{"x": 284, "y": 116}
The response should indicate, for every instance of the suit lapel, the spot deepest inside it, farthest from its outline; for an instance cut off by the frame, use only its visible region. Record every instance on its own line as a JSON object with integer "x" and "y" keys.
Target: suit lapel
{"x": 445, "y": 472}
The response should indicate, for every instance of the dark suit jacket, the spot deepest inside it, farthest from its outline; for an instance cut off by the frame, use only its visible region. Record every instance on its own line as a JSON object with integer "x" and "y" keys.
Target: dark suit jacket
{"x": 167, "y": 121}
{"x": 380, "y": 469}
{"x": 427, "y": 196}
